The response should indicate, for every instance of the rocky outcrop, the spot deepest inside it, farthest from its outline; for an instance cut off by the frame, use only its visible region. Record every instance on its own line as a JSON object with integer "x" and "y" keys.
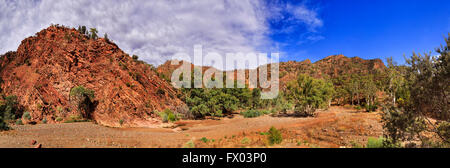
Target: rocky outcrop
{"x": 45, "y": 67}
{"x": 337, "y": 65}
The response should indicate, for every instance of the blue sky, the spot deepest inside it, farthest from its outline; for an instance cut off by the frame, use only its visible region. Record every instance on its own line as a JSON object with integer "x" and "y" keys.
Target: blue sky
{"x": 370, "y": 29}
{"x": 301, "y": 29}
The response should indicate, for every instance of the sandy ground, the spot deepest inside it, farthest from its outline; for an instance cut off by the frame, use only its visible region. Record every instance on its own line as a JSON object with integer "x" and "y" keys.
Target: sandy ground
{"x": 335, "y": 127}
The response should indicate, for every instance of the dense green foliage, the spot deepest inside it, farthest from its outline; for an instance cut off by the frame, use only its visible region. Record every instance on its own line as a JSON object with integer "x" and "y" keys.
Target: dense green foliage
{"x": 211, "y": 102}
{"x": 9, "y": 110}
{"x": 309, "y": 94}
{"x": 422, "y": 90}
{"x": 3, "y": 125}
{"x": 359, "y": 89}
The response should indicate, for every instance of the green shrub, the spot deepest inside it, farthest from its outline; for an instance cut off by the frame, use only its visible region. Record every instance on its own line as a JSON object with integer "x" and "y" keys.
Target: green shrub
{"x": 60, "y": 109}
{"x": 27, "y": 62}
{"x": 19, "y": 122}
{"x": 245, "y": 140}
{"x": 136, "y": 76}
{"x": 371, "y": 107}
{"x": 58, "y": 119}
{"x": 3, "y": 125}
{"x": 444, "y": 129}
{"x": 123, "y": 65}
{"x": 275, "y": 136}
{"x": 263, "y": 133}
{"x": 204, "y": 140}
{"x": 358, "y": 107}
{"x": 168, "y": 116}
{"x": 106, "y": 38}
{"x": 44, "y": 121}
{"x": 273, "y": 111}
{"x": 160, "y": 92}
{"x": 265, "y": 112}
{"x": 26, "y": 116}
{"x": 75, "y": 118}
{"x": 135, "y": 57}
{"x": 171, "y": 117}
{"x": 94, "y": 32}
{"x": 254, "y": 113}
{"x": 356, "y": 144}
{"x": 189, "y": 144}
{"x": 9, "y": 109}
{"x": 164, "y": 117}
{"x": 121, "y": 121}
{"x": 375, "y": 142}
{"x": 285, "y": 107}
{"x": 68, "y": 37}
{"x": 304, "y": 110}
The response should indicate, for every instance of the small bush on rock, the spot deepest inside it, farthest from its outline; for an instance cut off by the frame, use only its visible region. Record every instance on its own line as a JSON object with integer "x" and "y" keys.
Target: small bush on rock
{"x": 168, "y": 116}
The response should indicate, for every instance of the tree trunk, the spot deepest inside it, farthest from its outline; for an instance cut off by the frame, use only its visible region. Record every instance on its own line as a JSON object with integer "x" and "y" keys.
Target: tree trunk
{"x": 357, "y": 96}
{"x": 352, "y": 98}
{"x": 394, "y": 99}
{"x": 368, "y": 100}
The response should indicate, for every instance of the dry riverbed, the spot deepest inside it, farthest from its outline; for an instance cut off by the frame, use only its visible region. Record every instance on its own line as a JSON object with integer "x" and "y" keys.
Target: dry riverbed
{"x": 335, "y": 127}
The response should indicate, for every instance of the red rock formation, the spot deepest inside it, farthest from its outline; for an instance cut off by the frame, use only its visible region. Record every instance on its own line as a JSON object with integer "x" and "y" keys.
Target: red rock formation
{"x": 337, "y": 65}
{"x": 47, "y": 66}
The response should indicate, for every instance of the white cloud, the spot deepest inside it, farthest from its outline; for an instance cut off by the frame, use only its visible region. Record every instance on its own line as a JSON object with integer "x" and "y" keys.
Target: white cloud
{"x": 155, "y": 29}
{"x": 303, "y": 14}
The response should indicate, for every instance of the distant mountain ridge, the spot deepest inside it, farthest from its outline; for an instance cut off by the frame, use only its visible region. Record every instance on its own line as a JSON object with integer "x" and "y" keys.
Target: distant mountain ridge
{"x": 332, "y": 66}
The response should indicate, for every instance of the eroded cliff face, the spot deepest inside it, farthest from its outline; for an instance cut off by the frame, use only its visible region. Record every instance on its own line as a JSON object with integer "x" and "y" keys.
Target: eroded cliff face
{"x": 45, "y": 67}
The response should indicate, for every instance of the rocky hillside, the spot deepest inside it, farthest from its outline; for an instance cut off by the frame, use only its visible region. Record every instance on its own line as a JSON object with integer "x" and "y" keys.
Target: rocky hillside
{"x": 330, "y": 67}
{"x": 45, "y": 67}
